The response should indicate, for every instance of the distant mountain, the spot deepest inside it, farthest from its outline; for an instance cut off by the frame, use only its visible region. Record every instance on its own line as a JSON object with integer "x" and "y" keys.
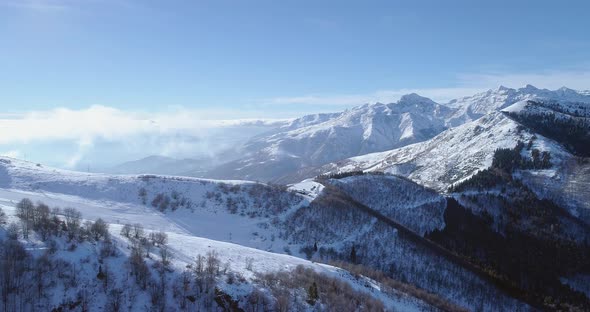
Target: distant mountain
{"x": 221, "y": 143}
{"x": 453, "y": 155}
{"x": 473, "y": 107}
{"x": 295, "y": 151}
{"x": 319, "y": 139}
{"x": 561, "y": 129}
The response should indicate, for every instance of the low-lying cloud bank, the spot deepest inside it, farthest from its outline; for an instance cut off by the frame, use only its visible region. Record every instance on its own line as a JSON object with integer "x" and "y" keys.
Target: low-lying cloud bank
{"x": 86, "y": 132}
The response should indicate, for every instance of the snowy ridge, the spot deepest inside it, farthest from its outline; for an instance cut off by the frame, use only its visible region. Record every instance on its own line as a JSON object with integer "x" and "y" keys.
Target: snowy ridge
{"x": 286, "y": 155}
{"x": 473, "y": 107}
{"x": 319, "y": 139}
{"x": 453, "y": 155}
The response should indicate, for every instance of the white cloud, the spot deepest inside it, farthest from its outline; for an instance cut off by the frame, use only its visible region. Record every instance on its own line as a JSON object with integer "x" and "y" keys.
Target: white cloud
{"x": 177, "y": 133}
{"x": 104, "y": 122}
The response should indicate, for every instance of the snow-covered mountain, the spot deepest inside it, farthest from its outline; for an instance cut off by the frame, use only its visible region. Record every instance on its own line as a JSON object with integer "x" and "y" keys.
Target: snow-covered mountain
{"x": 559, "y": 128}
{"x": 473, "y": 107}
{"x": 318, "y": 139}
{"x": 291, "y": 151}
{"x": 430, "y": 200}
{"x": 453, "y": 155}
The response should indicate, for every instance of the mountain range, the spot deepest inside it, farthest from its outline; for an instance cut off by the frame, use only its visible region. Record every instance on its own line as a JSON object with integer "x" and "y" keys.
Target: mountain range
{"x": 289, "y": 152}
{"x": 478, "y": 204}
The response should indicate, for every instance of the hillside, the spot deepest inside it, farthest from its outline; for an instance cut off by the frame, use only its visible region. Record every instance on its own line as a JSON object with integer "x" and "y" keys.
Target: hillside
{"x": 232, "y": 276}
{"x": 264, "y": 217}
{"x": 242, "y": 272}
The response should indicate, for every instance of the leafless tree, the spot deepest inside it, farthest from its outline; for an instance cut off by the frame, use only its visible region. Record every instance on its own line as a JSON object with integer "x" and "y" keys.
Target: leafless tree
{"x": 25, "y": 211}
{"x": 165, "y": 255}
{"x": 137, "y": 230}
{"x": 126, "y": 230}
{"x": 159, "y": 238}
{"x": 99, "y": 229}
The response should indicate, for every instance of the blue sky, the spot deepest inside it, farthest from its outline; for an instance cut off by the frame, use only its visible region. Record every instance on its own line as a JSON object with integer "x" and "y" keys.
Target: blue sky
{"x": 274, "y": 59}
{"x": 137, "y": 54}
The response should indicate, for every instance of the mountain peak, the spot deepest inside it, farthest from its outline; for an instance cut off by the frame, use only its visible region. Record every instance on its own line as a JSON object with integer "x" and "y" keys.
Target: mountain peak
{"x": 529, "y": 87}
{"x": 565, "y": 89}
{"x": 414, "y": 98}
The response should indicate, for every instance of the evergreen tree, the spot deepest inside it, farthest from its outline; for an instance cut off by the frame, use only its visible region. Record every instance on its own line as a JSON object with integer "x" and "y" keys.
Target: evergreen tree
{"x": 353, "y": 255}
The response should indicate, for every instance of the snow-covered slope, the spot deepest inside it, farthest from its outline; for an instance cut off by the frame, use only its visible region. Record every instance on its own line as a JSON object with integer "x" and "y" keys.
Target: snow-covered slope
{"x": 453, "y": 155}
{"x": 194, "y": 205}
{"x": 193, "y": 229}
{"x": 569, "y": 124}
{"x": 243, "y": 265}
{"x": 410, "y": 204}
{"x": 473, "y": 107}
{"x": 319, "y": 139}
{"x": 260, "y": 216}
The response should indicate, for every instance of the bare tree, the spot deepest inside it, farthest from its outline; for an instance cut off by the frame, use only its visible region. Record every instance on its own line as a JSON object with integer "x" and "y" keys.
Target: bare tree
{"x": 126, "y": 230}
{"x": 115, "y": 301}
{"x": 13, "y": 231}
{"x": 138, "y": 266}
{"x": 2, "y": 217}
{"x": 137, "y": 230}
{"x": 73, "y": 219}
{"x": 99, "y": 229}
{"x": 41, "y": 220}
{"x": 147, "y": 245}
{"x": 159, "y": 238}
{"x": 25, "y": 211}
{"x": 40, "y": 214}
{"x": 213, "y": 263}
{"x": 165, "y": 255}
{"x": 55, "y": 212}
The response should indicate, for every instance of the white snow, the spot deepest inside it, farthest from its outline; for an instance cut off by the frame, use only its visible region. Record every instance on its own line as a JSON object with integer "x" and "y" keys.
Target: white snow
{"x": 452, "y": 156}
{"x": 190, "y": 233}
